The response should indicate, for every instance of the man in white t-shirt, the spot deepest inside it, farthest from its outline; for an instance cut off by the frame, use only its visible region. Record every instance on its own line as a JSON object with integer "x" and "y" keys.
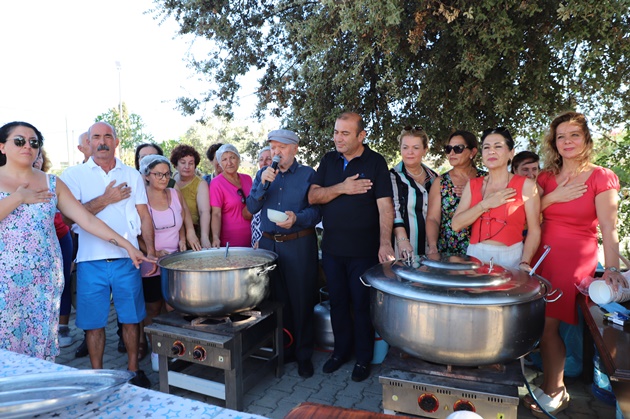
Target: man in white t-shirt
{"x": 115, "y": 193}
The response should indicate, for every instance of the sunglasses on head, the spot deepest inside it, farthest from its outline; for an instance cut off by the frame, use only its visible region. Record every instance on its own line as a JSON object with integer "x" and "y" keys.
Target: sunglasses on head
{"x": 242, "y": 195}
{"x": 20, "y": 141}
{"x": 415, "y": 128}
{"x": 458, "y": 149}
{"x": 498, "y": 130}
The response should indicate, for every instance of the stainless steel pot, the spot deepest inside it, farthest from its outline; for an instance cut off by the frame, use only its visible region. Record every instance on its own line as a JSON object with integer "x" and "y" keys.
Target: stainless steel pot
{"x": 456, "y": 310}
{"x": 216, "y": 292}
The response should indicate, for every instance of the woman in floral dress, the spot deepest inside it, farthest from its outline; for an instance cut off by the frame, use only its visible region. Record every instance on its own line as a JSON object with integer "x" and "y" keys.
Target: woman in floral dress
{"x": 31, "y": 274}
{"x": 461, "y": 151}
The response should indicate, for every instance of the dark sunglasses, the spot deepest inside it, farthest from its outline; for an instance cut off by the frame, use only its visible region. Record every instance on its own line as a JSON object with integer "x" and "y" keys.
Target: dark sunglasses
{"x": 498, "y": 130}
{"x": 242, "y": 195}
{"x": 458, "y": 149}
{"x": 20, "y": 141}
{"x": 410, "y": 128}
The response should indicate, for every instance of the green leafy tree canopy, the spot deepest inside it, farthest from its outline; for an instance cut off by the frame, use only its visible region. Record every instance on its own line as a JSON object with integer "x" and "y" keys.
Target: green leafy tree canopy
{"x": 440, "y": 64}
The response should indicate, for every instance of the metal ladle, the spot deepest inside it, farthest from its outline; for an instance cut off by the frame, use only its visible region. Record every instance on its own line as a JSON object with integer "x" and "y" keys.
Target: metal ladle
{"x": 227, "y": 249}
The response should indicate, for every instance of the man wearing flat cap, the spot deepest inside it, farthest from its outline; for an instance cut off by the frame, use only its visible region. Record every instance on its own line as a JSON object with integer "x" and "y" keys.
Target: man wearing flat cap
{"x": 294, "y": 281}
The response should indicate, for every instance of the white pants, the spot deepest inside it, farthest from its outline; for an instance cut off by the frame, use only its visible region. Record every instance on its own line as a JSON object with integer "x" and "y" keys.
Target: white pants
{"x": 506, "y": 256}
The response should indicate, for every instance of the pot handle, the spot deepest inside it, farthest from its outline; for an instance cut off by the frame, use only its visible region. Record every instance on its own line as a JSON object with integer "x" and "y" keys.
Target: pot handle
{"x": 267, "y": 269}
{"x": 557, "y": 290}
{"x": 363, "y": 282}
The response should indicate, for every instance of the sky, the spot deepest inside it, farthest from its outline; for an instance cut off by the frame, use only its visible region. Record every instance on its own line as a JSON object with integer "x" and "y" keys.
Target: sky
{"x": 59, "y": 68}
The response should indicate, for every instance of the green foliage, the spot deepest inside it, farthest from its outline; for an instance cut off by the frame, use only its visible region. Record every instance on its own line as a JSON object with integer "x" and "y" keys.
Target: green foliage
{"x": 445, "y": 65}
{"x": 614, "y": 152}
{"x": 129, "y": 129}
{"x": 218, "y": 130}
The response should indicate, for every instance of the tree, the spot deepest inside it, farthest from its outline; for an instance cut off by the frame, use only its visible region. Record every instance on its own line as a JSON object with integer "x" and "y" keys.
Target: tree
{"x": 440, "y": 64}
{"x": 248, "y": 140}
{"x": 129, "y": 129}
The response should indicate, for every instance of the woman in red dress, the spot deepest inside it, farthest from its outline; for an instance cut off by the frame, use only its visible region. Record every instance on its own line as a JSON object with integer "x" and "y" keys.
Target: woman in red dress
{"x": 576, "y": 196}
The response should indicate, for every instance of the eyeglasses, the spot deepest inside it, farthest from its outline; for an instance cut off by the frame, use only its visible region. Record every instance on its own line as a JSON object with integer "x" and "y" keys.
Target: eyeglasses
{"x": 458, "y": 149}
{"x": 163, "y": 227}
{"x": 415, "y": 128}
{"x": 158, "y": 175}
{"x": 242, "y": 195}
{"x": 20, "y": 141}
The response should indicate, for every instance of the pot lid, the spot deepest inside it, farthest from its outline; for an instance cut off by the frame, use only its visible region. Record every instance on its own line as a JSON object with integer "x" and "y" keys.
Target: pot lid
{"x": 455, "y": 279}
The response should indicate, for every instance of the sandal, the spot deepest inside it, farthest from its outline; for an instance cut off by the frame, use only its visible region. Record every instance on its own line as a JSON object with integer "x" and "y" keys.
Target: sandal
{"x": 528, "y": 400}
{"x": 143, "y": 349}
{"x": 552, "y": 405}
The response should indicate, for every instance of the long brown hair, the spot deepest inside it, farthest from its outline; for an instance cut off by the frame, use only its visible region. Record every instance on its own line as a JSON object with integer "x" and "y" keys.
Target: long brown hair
{"x": 551, "y": 156}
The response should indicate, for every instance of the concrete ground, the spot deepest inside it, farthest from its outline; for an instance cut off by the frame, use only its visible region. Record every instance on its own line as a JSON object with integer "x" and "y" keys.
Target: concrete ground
{"x": 275, "y": 397}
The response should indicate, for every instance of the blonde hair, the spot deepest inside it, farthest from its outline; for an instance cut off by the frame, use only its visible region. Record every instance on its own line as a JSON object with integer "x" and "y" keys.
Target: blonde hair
{"x": 414, "y": 132}
{"x": 551, "y": 157}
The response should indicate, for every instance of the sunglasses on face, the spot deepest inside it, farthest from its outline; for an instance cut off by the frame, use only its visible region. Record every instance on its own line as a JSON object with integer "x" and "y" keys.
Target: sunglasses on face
{"x": 20, "y": 141}
{"x": 242, "y": 195}
{"x": 415, "y": 128}
{"x": 458, "y": 149}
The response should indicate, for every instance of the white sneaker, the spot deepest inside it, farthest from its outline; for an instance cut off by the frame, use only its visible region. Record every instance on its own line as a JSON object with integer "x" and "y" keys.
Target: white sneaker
{"x": 155, "y": 364}
{"x": 65, "y": 339}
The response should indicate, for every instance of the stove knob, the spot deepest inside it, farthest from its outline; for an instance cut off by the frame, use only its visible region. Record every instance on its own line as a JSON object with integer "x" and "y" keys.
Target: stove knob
{"x": 199, "y": 353}
{"x": 428, "y": 403}
{"x": 178, "y": 348}
{"x": 464, "y": 405}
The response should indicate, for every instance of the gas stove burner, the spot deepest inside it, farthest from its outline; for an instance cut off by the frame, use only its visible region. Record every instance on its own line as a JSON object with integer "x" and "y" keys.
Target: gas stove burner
{"x": 235, "y": 319}
{"x": 414, "y": 386}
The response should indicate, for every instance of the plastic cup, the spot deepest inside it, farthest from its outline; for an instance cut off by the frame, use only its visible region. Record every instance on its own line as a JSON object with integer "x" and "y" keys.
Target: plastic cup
{"x": 602, "y": 293}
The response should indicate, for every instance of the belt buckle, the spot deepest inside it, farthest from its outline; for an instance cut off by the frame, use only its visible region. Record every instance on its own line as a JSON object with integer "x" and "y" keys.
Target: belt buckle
{"x": 277, "y": 238}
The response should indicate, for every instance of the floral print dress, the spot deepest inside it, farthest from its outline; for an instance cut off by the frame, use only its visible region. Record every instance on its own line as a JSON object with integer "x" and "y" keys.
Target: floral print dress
{"x": 31, "y": 279}
{"x": 449, "y": 241}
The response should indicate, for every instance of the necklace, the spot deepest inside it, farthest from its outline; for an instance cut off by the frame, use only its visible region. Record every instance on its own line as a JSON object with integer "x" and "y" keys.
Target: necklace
{"x": 487, "y": 181}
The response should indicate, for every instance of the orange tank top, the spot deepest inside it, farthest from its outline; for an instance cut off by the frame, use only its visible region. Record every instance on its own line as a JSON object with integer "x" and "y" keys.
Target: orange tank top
{"x": 504, "y": 224}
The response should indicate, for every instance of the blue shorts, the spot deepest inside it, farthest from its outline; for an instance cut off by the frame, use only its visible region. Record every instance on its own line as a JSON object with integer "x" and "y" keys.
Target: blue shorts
{"x": 97, "y": 282}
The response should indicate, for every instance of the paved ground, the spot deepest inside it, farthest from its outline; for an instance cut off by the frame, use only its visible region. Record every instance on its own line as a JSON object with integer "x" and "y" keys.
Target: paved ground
{"x": 275, "y": 397}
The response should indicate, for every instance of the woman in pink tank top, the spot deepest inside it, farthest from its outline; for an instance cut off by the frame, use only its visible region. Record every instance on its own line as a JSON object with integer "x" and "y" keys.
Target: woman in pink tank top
{"x": 499, "y": 206}
{"x": 167, "y": 215}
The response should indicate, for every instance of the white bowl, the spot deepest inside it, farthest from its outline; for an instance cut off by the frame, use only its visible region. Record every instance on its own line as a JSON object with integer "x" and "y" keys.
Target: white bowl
{"x": 276, "y": 216}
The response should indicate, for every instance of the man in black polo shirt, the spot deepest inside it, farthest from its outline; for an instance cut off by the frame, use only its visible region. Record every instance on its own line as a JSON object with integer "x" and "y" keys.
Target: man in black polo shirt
{"x": 354, "y": 189}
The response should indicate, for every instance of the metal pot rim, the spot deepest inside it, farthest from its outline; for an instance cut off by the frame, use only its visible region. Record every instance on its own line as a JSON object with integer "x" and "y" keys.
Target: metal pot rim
{"x": 510, "y": 287}
{"x": 164, "y": 261}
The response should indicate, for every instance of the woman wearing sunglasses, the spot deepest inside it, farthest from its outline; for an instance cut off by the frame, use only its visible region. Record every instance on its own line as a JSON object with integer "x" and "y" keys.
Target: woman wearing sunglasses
{"x": 461, "y": 151}
{"x": 498, "y": 206}
{"x": 166, "y": 207}
{"x": 411, "y": 181}
{"x": 31, "y": 271}
{"x": 231, "y": 221}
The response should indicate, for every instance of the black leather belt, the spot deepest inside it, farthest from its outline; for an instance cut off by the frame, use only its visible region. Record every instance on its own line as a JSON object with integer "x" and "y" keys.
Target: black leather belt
{"x": 291, "y": 236}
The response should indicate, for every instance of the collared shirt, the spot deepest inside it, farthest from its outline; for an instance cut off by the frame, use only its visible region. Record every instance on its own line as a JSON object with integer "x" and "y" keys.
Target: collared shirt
{"x": 288, "y": 192}
{"x": 351, "y": 222}
{"x": 88, "y": 181}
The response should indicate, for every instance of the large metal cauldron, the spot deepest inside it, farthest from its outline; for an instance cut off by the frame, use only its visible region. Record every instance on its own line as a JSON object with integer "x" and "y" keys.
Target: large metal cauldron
{"x": 216, "y": 292}
{"x": 456, "y": 310}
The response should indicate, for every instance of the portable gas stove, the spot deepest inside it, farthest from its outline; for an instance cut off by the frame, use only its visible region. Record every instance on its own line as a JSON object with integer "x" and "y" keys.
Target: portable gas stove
{"x": 413, "y": 386}
{"x": 211, "y": 355}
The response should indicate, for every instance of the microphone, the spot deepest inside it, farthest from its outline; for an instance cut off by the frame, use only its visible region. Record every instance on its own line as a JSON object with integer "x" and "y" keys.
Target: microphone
{"x": 274, "y": 166}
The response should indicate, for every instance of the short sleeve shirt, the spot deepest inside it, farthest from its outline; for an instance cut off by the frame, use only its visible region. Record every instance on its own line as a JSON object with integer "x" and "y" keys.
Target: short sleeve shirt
{"x": 88, "y": 181}
{"x": 351, "y": 222}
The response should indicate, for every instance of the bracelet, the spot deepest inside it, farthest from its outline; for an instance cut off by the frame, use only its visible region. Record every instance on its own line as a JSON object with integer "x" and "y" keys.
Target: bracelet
{"x": 523, "y": 263}
{"x": 611, "y": 269}
{"x": 402, "y": 239}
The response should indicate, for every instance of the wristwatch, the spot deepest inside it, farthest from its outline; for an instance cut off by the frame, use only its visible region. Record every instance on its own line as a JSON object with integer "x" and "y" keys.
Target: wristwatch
{"x": 612, "y": 269}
